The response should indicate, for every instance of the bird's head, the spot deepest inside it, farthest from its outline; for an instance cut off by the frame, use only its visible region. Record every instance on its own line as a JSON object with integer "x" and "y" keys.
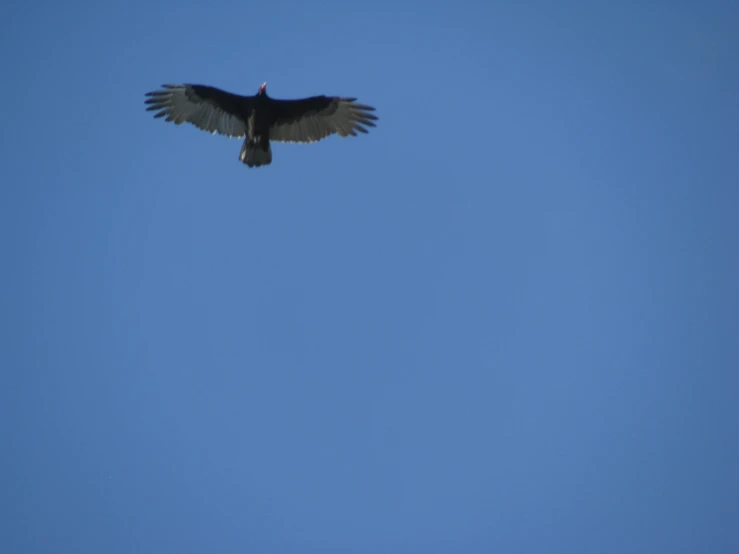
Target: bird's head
{"x": 263, "y": 89}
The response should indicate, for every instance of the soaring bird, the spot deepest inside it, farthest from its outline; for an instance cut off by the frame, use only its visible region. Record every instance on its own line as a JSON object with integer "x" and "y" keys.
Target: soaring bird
{"x": 259, "y": 118}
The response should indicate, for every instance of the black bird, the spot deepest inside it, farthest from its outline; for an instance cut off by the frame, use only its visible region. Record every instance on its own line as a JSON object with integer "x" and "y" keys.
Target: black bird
{"x": 260, "y": 118}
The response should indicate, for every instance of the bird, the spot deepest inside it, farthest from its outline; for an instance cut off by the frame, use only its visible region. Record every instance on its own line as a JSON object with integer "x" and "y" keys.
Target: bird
{"x": 260, "y": 118}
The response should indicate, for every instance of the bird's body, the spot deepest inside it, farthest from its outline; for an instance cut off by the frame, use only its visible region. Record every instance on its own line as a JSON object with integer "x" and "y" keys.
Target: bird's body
{"x": 260, "y": 119}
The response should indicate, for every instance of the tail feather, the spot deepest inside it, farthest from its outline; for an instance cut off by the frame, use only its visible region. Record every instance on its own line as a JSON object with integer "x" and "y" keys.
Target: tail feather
{"x": 256, "y": 152}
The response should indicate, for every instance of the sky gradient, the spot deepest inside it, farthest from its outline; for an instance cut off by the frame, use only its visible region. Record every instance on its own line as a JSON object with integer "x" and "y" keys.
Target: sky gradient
{"x": 505, "y": 320}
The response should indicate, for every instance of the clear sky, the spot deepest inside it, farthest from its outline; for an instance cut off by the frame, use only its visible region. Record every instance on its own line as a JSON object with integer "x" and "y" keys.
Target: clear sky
{"x": 506, "y": 320}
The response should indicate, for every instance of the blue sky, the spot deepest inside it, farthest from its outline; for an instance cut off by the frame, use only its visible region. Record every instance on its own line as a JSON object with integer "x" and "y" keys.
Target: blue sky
{"x": 503, "y": 321}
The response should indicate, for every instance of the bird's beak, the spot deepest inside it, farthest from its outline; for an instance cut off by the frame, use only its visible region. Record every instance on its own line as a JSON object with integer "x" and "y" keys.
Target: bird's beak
{"x": 263, "y": 88}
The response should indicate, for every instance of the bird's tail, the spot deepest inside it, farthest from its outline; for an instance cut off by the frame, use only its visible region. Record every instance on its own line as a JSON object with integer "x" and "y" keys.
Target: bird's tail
{"x": 256, "y": 152}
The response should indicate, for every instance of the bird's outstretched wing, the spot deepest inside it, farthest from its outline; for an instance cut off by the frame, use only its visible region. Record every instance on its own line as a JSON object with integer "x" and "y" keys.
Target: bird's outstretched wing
{"x": 312, "y": 119}
{"x": 208, "y": 108}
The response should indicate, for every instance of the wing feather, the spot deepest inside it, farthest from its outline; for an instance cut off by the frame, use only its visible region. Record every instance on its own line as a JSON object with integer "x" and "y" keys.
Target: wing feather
{"x": 208, "y": 108}
{"x": 315, "y": 118}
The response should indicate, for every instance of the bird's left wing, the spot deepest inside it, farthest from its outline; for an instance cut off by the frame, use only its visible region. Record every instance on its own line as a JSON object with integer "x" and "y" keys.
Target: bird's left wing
{"x": 312, "y": 119}
{"x": 208, "y": 108}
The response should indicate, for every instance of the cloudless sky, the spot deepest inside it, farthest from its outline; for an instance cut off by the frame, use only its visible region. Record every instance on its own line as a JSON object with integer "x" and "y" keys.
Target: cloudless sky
{"x": 506, "y": 320}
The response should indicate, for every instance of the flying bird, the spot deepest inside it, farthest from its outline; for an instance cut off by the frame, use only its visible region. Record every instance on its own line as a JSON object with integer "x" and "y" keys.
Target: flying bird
{"x": 259, "y": 118}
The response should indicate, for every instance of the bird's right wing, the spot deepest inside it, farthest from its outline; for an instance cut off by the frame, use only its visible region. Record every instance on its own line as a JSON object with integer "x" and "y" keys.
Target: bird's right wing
{"x": 208, "y": 108}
